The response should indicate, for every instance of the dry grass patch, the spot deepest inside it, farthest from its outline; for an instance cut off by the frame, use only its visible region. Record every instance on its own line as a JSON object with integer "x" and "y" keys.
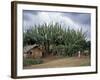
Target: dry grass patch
{"x": 62, "y": 62}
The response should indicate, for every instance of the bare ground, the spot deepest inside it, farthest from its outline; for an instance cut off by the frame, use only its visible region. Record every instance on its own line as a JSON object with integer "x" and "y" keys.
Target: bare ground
{"x": 53, "y": 62}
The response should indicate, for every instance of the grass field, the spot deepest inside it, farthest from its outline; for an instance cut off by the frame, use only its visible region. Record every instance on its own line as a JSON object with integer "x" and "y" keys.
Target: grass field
{"x": 53, "y": 62}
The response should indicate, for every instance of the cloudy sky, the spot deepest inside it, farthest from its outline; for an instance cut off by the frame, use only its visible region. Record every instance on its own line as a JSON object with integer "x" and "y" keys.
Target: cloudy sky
{"x": 66, "y": 19}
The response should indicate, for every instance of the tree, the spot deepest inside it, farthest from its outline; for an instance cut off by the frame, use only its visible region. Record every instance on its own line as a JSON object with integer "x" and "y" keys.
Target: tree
{"x": 55, "y": 39}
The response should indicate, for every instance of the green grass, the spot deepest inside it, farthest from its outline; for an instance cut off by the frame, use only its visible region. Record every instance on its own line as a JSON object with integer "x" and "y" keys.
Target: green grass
{"x": 32, "y": 61}
{"x": 86, "y": 63}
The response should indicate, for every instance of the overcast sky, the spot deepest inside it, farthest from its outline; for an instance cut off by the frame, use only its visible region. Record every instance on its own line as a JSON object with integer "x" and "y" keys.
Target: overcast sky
{"x": 73, "y": 20}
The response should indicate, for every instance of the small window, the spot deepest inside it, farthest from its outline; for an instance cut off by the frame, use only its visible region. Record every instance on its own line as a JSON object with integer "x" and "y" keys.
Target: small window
{"x": 30, "y": 53}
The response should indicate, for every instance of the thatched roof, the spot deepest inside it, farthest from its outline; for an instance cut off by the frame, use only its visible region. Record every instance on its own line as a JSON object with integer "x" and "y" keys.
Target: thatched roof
{"x": 29, "y": 47}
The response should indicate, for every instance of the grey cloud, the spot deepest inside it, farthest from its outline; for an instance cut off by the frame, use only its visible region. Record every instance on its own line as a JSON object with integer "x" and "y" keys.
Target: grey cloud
{"x": 82, "y": 18}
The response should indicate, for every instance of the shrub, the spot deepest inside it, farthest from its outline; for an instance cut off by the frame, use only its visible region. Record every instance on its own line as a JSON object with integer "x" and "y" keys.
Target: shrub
{"x": 59, "y": 50}
{"x": 32, "y": 61}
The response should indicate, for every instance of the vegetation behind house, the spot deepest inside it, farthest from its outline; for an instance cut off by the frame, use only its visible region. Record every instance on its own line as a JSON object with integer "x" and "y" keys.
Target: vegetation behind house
{"x": 56, "y": 40}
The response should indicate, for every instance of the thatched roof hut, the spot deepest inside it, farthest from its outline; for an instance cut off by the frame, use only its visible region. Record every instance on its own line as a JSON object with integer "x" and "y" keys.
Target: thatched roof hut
{"x": 32, "y": 51}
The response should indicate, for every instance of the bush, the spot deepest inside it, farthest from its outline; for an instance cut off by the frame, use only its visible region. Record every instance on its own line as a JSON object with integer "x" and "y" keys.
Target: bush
{"x": 59, "y": 50}
{"x": 32, "y": 61}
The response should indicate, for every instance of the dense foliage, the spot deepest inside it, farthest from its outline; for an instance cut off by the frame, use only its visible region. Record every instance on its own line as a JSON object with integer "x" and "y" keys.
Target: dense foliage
{"x": 56, "y": 40}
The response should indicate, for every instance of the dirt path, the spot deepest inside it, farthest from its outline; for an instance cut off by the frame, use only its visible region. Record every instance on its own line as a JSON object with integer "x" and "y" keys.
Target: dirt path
{"x": 62, "y": 62}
